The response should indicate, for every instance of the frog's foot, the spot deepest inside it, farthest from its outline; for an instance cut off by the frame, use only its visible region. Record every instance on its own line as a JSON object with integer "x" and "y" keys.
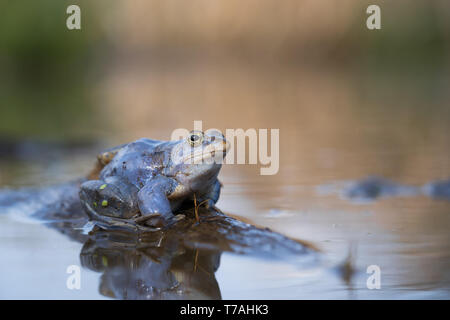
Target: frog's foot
{"x": 206, "y": 203}
{"x": 209, "y": 199}
{"x": 113, "y": 223}
{"x": 157, "y": 220}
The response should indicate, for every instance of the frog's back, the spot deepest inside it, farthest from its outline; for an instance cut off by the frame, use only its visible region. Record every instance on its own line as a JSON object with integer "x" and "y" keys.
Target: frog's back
{"x": 138, "y": 161}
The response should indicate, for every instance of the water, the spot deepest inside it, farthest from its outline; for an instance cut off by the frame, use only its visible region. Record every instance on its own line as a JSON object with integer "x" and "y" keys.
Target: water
{"x": 349, "y": 103}
{"x": 335, "y": 128}
{"x": 407, "y": 237}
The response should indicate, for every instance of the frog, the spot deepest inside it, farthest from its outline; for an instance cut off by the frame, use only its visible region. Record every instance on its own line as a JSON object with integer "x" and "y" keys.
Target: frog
{"x": 147, "y": 180}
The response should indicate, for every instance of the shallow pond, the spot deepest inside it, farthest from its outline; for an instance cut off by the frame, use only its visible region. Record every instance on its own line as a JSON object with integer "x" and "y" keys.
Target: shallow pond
{"x": 335, "y": 128}
{"x": 348, "y": 103}
{"x": 406, "y": 236}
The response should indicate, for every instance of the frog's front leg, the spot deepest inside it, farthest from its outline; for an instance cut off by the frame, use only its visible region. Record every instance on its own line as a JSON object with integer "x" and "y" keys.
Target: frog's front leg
{"x": 211, "y": 196}
{"x": 214, "y": 193}
{"x": 153, "y": 202}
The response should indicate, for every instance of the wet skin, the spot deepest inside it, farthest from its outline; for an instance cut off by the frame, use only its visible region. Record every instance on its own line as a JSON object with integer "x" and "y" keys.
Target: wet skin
{"x": 146, "y": 181}
{"x": 142, "y": 262}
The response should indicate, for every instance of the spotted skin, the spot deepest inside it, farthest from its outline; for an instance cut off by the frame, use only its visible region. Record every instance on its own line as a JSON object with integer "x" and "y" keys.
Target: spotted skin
{"x": 148, "y": 180}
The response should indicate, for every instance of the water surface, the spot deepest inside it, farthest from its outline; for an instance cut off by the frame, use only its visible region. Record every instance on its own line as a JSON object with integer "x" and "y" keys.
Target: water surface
{"x": 407, "y": 237}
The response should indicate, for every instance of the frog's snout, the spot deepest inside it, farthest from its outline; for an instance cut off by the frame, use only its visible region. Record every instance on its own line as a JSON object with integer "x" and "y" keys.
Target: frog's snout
{"x": 217, "y": 150}
{"x": 226, "y": 146}
{"x": 219, "y": 142}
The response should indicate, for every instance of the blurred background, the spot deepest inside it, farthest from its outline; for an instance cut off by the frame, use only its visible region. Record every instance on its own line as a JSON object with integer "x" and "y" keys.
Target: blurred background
{"x": 310, "y": 68}
{"x": 349, "y": 102}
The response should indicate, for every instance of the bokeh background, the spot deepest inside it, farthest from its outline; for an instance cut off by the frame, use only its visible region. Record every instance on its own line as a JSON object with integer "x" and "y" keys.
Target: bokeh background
{"x": 310, "y": 68}
{"x": 349, "y": 102}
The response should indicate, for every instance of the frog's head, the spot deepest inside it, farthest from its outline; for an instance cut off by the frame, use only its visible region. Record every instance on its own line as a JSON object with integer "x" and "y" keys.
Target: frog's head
{"x": 198, "y": 158}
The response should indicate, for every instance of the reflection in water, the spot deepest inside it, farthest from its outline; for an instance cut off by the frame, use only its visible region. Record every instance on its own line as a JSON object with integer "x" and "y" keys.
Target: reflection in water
{"x": 176, "y": 263}
{"x": 404, "y": 236}
{"x": 348, "y": 104}
{"x": 159, "y": 269}
{"x": 180, "y": 263}
{"x": 346, "y": 270}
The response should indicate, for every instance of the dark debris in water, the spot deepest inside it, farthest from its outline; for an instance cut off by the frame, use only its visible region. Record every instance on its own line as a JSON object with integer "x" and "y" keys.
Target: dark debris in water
{"x": 373, "y": 188}
{"x": 438, "y": 189}
{"x": 42, "y": 149}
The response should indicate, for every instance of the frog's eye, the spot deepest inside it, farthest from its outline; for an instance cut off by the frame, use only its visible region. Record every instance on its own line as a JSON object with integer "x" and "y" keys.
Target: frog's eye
{"x": 195, "y": 138}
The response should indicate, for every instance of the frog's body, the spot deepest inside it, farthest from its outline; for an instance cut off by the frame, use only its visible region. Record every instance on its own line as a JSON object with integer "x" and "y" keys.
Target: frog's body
{"x": 148, "y": 180}
{"x": 176, "y": 262}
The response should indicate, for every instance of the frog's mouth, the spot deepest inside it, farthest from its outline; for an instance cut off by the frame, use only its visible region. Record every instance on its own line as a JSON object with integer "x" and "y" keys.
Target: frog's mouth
{"x": 212, "y": 153}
